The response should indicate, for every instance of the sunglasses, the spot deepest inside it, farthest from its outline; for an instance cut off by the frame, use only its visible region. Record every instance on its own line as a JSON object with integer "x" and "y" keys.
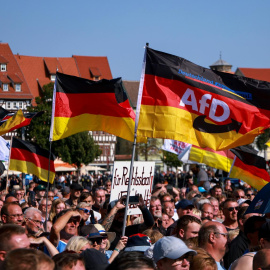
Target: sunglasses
{"x": 86, "y": 211}
{"x": 96, "y": 240}
{"x": 233, "y": 208}
{"x": 73, "y": 220}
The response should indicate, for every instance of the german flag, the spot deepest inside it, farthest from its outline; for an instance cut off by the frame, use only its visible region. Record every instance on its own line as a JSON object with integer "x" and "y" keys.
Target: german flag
{"x": 222, "y": 160}
{"x": 250, "y": 168}
{"x": 11, "y": 121}
{"x": 186, "y": 102}
{"x": 80, "y": 105}
{"x": 28, "y": 157}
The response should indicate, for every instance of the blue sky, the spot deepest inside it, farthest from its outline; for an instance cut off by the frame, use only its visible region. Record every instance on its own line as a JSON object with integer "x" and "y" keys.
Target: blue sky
{"x": 195, "y": 30}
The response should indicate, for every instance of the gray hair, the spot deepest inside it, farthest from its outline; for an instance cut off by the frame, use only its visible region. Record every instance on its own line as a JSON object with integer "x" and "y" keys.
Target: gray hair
{"x": 83, "y": 204}
{"x": 200, "y": 202}
{"x": 29, "y": 212}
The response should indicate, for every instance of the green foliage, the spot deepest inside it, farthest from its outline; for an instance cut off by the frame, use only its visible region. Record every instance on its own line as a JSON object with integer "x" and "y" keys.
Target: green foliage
{"x": 171, "y": 160}
{"x": 77, "y": 149}
{"x": 151, "y": 148}
{"x": 262, "y": 139}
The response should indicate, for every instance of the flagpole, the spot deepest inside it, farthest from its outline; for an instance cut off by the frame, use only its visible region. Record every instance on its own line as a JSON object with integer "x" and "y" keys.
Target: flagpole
{"x": 48, "y": 184}
{"x": 135, "y": 139}
{"x": 232, "y": 166}
{"x": 7, "y": 183}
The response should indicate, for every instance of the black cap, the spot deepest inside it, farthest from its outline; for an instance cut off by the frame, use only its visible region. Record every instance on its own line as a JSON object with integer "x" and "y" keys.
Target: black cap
{"x": 94, "y": 259}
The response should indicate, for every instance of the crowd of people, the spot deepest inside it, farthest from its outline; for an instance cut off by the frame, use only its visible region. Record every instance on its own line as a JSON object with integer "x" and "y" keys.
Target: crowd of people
{"x": 73, "y": 225}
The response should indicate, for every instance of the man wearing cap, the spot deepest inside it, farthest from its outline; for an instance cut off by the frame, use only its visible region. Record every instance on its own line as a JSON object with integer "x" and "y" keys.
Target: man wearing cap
{"x": 183, "y": 207}
{"x": 75, "y": 193}
{"x": 171, "y": 253}
{"x": 40, "y": 191}
{"x": 213, "y": 238}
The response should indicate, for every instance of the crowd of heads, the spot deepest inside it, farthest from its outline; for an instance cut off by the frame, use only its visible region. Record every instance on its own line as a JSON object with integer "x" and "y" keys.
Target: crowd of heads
{"x": 193, "y": 221}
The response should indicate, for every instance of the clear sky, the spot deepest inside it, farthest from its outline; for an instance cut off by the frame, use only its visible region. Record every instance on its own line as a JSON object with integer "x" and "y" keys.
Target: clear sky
{"x": 195, "y": 30}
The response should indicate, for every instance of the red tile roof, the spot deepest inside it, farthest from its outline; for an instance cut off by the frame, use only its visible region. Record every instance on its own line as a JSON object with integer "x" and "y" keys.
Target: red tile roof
{"x": 87, "y": 63}
{"x": 15, "y": 73}
{"x": 262, "y": 74}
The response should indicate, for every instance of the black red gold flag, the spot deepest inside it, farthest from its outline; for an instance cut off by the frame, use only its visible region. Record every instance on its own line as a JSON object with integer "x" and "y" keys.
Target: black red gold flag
{"x": 249, "y": 167}
{"x": 10, "y": 121}
{"x": 29, "y": 158}
{"x": 186, "y": 102}
{"x": 80, "y": 105}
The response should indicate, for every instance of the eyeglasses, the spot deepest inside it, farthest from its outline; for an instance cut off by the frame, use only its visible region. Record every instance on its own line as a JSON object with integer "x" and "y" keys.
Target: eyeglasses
{"x": 37, "y": 222}
{"x": 86, "y": 211}
{"x": 15, "y": 216}
{"x": 73, "y": 220}
{"x": 249, "y": 195}
{"x": 240, "y": 197}
{"x": 233, "y": 208}
{"x": 224, "y": 234}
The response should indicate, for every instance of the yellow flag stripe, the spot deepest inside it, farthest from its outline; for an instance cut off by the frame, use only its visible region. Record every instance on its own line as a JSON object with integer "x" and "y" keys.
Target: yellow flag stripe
{"x": 29, "y": 167}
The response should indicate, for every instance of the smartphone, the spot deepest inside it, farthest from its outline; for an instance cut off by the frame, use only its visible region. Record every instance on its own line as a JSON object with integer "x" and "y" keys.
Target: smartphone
{"x": 170, "y": 189}
{"x": 132, "y": 199}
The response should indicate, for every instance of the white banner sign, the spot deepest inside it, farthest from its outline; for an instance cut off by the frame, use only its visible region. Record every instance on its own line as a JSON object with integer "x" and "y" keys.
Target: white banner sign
{"x": 141, "y": 182}
{"x": 175, "y": 147}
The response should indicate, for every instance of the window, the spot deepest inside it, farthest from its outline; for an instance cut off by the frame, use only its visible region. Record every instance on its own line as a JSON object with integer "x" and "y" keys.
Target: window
{"x": 53, "y": 77}
{"x": 20, "y": 105}
{"x": 3, "y": 67}
{"x": 5, "y": 87}
{"x": 8, "y": 105}
{"x": 18, "y": 87}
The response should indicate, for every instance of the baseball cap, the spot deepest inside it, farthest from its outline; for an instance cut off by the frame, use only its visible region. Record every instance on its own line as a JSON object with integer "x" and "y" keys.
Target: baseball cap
{"x": 91, "y": 232}
{"x": 138, "y": 242}
{"x": 94, "y": 259}
{"x": 40, "y": 187}
{"x": 183, "y": 204}
{"x": 170, "y": 247}
{"x": 241, "y": 201}
{"x": 111, "y": 235}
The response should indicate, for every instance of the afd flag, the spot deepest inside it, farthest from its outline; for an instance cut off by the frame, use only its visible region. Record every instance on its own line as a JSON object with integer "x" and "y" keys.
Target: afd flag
{"x": 182, "y": 101}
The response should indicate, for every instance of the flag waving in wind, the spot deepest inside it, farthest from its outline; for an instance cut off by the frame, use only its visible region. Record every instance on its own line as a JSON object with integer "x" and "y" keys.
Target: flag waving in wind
{"x": 186, "y": 102}
{"x": 80, "y": 105}
{"x": 10, "y": 121}
{"x": 29, "y": 158}
{"x": 249, "y": 167}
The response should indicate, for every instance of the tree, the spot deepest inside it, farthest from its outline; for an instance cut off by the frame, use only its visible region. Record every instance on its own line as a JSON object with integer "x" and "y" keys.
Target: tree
{"x": 262, "y": 139}
{"x": 151, "y": 148}
{"x": 171, "y": 160}
{"x": 77, "y": 149}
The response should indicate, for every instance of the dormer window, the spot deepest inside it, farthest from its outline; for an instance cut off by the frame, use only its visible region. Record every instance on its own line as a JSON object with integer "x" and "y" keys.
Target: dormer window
{"x": 3, "y": 67}
{"x": 95, "y": 73}
{"x": 53, "y": 77}
{"x": 5, "y": 87}
{"x": 18, "y": 87}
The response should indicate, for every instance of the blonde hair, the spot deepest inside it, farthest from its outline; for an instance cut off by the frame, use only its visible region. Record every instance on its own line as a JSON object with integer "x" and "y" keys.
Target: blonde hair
{"x": 202, "y": 261}
{"x": 75, "y": 243}
{"x": 154, "y": 235}
{"x": 53, "y": 209}
{"x": 197, "y": 212}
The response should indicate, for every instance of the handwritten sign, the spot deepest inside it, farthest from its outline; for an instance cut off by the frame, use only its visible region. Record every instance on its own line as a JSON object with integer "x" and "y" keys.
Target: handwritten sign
{"x": 141, "y": 182}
